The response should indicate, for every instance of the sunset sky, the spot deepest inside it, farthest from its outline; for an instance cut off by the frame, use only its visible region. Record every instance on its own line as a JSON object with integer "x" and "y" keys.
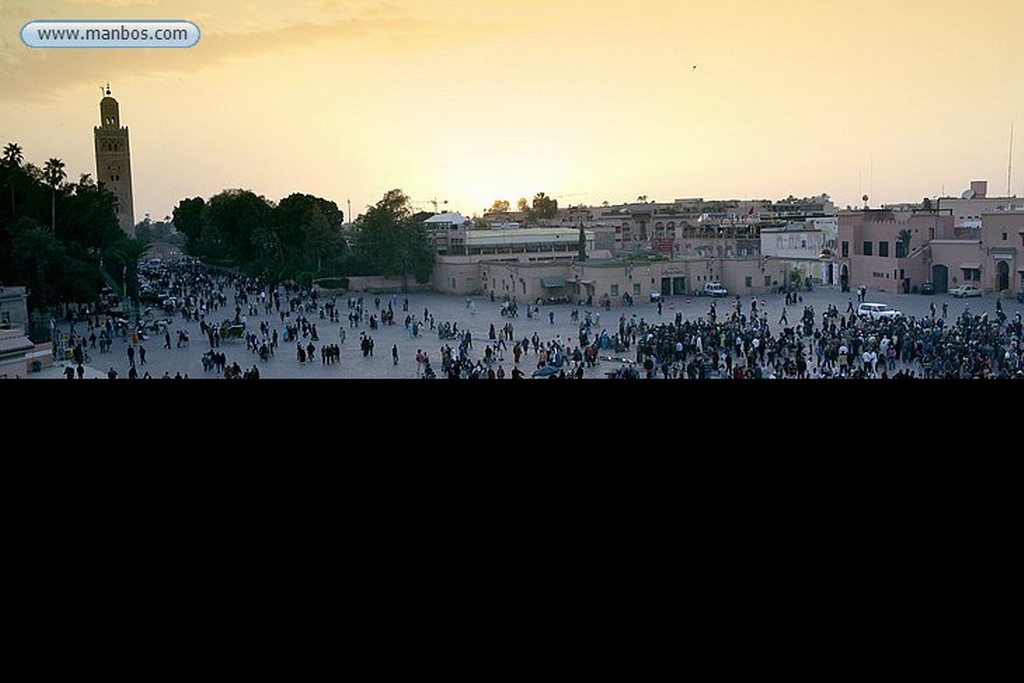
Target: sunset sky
{"x": 475, "y": 100}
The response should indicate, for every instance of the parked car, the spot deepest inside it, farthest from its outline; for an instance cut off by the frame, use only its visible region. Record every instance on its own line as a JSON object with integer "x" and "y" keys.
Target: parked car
{"x": 927, "y": 288}
{"x": 715, "y": 289}
{"x": 964, "y": 291}
{"x": 655, "y": 297}
{"x": 877, "y": 311}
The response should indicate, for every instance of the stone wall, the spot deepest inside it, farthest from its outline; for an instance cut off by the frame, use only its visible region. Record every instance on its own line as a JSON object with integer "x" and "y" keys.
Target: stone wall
{"x": 381, "y": 285}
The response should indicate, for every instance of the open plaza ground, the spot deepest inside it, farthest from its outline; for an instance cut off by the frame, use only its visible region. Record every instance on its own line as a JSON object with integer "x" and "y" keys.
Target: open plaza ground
{"x": 474, "y": 314}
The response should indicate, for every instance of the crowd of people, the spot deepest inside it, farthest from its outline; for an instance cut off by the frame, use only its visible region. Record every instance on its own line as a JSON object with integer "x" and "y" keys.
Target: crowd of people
{"x": 736, "y": 343}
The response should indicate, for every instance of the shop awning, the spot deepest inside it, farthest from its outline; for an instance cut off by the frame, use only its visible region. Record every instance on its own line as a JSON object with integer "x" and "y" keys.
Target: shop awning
{"x": 970, "y": 266}
{"x": 552, "y": 282}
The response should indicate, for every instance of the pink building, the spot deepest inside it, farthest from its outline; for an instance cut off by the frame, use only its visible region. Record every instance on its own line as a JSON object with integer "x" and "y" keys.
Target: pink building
{"x": 897, "y": 251}
{"x": 885, "y": 250}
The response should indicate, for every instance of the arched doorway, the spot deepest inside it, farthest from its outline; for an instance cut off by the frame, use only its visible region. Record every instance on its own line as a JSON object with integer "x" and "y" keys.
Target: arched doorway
{"x": 844, "y": 277}
{"x": 940, "y": 278}
{"x": 1002, "y": 276}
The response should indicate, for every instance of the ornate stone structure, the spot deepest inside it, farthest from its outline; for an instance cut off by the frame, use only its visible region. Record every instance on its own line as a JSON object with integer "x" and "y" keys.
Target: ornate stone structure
{"x": 114, "y": 161}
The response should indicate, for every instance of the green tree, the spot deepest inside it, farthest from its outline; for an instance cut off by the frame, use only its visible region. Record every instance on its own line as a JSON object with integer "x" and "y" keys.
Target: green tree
{"x": 391, "y": 243}
{"x": 903, "y": 243}
{"x": 232, "y": 220}
{"x": 12, "y": 159}
{"x": 54, "y": 174}
{"x": 307, "y": 230}
{"x": 40, "y": 251}
{"x": 499, "y": 206}
{"x": 188, "y": 220}
{"x": 122, "y": 258}
{"x": 13, "y": 154}
{"x": 56, "y": 261}
{"x": 89, "y": 215}
{"x": 544, "y": 206}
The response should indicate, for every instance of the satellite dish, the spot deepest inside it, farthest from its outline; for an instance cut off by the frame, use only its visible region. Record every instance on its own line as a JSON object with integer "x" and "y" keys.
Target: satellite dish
{"x": 968, "y": 194}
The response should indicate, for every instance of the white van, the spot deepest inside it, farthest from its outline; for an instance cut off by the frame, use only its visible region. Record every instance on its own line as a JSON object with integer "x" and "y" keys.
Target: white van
{"x": 715, "y": 289}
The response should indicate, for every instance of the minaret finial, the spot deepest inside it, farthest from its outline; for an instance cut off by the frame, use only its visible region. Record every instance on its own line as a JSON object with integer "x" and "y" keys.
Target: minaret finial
{"x": 108, "y": 89}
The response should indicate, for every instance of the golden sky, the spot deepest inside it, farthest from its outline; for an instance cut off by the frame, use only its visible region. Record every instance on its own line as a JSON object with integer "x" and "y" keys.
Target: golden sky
{"x": 475, "y": 100}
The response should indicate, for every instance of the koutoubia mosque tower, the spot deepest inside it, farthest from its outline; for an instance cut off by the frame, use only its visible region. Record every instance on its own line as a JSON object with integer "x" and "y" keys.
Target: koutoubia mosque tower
{"x": 114, "y": 160}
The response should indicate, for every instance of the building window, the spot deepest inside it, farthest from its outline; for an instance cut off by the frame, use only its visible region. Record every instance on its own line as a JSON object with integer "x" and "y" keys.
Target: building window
{"x": 1004, "y": 236}
{"x": 845, "y": 250}
{"x": 615, "y": 290}
{"x": 867, "y": 249}
{"x": 883, "y": 249}
{"x": 636, "y": 289}
{"x": 971, "y": 274}
{"x": 748, "y": 282}
{"x": 767, "y": 280}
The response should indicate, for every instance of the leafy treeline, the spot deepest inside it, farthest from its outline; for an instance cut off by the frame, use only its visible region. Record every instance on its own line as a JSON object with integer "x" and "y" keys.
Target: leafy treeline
{"x": 60, "y": 239}
{"x": 63, "y": 242}
{"x": 303, "y": 237}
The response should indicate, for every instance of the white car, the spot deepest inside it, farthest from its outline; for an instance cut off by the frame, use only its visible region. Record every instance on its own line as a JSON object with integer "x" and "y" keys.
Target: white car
{"x": 965, "y": 291}
{"x": 877, "y": 311}
{"x": 715, "y": 289}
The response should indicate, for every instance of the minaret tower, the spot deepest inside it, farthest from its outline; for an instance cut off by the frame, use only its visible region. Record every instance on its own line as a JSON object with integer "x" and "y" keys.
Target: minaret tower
{"x": 114, "y": 161}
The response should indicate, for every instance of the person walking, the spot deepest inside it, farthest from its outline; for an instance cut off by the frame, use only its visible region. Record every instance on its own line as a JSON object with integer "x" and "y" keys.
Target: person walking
{"x": 394, "y": 354}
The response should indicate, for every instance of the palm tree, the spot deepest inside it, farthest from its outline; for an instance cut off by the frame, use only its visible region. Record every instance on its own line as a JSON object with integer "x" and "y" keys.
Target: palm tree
{"x": 12, "y": 158}
{"x": 12, "y": 154}
{"x": 54, "y": 174}
{"x": 903, "y": 243}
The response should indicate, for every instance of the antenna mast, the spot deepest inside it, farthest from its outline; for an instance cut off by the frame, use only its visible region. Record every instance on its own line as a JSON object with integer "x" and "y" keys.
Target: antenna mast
{"x": 1009, "y": 161}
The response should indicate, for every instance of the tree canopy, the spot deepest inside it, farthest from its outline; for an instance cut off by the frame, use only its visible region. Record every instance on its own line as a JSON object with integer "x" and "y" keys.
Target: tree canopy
{"x": 60, "y": 239}
{"x": 63, "y": 241}
{"x": 391, "y": 242}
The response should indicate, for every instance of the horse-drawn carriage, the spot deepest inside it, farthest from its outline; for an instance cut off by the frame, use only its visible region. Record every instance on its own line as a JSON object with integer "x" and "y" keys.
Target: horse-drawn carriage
{"x": 230, "y": 329}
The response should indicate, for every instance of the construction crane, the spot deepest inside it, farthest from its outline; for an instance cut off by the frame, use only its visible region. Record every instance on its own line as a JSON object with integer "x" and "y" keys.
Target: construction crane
{"x": 434, "y": 202}
{"x": 559, "y": 197}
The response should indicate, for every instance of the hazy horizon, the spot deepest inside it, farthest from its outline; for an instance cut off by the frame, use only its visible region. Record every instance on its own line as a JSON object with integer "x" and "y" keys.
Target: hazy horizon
{"x": 468, "y": 102}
